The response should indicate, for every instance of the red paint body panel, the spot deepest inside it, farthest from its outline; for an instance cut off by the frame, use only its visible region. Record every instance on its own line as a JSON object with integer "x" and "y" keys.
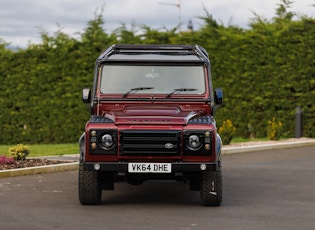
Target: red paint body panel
{"x": 144, "y": 112}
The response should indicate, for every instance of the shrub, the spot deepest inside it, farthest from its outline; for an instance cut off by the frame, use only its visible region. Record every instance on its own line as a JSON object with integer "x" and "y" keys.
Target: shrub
{"x": 274, "y": 129}
{"x": 19, "y": 152}
{"x": 227, "y": 131}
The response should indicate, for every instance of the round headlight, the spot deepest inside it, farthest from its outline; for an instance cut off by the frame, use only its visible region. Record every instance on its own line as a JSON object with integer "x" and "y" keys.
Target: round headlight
{"x": 107, "y": 141}
{"x": 194, "y": 142}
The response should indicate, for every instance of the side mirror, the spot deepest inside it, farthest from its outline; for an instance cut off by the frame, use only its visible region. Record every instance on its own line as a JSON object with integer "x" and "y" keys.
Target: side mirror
{"x": 86, "y": 95}
{"x": 218, "y": 96}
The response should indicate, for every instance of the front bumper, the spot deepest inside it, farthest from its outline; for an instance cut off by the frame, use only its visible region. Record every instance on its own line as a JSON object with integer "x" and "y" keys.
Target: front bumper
{"x": 176, "y": 166}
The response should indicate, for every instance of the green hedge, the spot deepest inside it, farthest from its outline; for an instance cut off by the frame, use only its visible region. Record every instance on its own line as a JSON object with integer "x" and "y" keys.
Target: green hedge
{"x": 265, "y": 71}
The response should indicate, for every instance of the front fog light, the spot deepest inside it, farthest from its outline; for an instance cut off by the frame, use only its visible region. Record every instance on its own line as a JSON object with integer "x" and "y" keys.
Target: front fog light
{"x": 203, "y": 167}
{"x": 97, "y": 166}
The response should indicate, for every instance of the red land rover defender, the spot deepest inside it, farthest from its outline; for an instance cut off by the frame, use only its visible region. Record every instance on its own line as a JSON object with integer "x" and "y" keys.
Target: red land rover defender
{"x": 152, "y": 110}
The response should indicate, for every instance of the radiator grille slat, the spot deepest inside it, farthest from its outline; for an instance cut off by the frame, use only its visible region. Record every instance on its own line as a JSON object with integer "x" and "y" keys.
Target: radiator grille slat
{"x": 150, "y": 143}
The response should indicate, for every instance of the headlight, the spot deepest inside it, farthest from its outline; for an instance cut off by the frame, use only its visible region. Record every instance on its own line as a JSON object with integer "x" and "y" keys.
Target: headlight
{"x": 198, "y": 142}
{"x": 103, "y": 141}
{"x": 194, "y": 142}
{"x": 107, "y": 141}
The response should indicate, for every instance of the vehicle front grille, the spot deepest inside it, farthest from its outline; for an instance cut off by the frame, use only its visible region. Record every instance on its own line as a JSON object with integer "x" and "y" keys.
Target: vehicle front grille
{"x": 150, "y": 143}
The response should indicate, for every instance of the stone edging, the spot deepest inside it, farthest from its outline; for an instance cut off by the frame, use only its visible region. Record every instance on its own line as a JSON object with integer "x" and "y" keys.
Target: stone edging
{"x": 266, "y": 146}
{"x": 39, "y": 169}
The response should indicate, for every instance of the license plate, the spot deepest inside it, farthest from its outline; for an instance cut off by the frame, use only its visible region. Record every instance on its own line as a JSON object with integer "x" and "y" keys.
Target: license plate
{"x": 149, "y": 168}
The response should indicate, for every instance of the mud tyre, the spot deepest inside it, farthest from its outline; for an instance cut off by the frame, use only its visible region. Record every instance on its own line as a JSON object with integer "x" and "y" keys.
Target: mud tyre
{"x": 211, "y": 188}
{"x": 90, "y": 189}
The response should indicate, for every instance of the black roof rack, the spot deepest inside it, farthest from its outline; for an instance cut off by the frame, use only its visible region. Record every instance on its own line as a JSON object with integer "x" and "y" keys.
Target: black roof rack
{"x": 152, "y": 48}
{"x": 155, "y": 49}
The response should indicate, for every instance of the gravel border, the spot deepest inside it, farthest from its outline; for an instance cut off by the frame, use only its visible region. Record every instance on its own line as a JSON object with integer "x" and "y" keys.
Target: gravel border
{"x": 39, "y": 169}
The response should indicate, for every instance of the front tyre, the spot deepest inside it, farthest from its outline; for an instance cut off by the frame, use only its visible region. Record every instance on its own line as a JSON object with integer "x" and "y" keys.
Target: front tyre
{"x": 90, "y": 189}
{"x": 211, "y": 188}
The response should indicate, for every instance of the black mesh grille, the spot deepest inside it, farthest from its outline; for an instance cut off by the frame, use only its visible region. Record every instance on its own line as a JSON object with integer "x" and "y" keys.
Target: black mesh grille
{"x": 150, "y": 143}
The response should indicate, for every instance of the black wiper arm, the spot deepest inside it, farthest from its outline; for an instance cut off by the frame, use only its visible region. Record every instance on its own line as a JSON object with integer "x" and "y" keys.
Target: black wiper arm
{"x": 136, "y": 89}
{"x": 180, "y": 90}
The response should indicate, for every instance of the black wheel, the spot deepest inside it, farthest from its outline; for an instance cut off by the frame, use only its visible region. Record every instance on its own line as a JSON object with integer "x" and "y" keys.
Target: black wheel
{"x": 90, "y": 190}
{"x": 211, "y": 188}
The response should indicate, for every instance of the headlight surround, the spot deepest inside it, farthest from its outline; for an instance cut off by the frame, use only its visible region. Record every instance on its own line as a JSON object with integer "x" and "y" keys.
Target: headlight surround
{"x": 198, "y": 142}
{"x": 103, "y": 141}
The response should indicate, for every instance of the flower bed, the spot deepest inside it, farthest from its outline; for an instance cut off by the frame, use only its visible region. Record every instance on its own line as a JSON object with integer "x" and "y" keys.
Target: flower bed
{"x": 9, "y": 163}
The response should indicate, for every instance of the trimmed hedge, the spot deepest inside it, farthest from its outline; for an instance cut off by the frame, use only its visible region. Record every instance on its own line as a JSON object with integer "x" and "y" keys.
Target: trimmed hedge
{"x": 265, "y": 71}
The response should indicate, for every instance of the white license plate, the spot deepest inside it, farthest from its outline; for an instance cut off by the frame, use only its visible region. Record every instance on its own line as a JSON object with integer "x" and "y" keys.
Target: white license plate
{"x": 149, "y": 167}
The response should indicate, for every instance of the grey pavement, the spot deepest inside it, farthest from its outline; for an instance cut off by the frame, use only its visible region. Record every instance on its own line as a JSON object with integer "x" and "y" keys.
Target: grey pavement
{"x": 271, "y": 189}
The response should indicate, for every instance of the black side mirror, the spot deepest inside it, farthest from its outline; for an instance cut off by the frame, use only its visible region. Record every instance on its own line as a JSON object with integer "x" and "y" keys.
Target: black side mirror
{"x": 86, "y": 95}
{"x": 218, "y": 96}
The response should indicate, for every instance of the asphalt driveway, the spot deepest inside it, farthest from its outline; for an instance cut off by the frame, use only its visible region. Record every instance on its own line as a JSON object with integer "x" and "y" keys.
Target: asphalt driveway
{"x": 262, "y": 190}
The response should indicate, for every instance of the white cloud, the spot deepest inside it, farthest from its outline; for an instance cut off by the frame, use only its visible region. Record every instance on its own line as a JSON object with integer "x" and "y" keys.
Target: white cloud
{"x": 20, "y": 19}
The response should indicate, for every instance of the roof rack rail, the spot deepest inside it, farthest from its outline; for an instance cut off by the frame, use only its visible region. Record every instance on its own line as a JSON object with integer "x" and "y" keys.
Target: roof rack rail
{"x": 154, "y": 48}
{"x": 157, "y": 48}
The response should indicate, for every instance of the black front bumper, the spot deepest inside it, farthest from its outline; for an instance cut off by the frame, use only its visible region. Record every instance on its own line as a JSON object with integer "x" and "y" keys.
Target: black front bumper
{"x": 176, "y": 166}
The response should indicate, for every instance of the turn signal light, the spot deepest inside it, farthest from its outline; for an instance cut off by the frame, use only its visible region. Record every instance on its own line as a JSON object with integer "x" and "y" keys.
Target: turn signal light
{"x": 93, "y": 145}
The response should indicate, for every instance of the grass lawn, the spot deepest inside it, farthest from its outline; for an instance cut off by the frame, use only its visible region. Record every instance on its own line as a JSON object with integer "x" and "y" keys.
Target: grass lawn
{"x": 240, "y": 139}
{"x": 64, "y": 149}
{"x": 45, "y": 149}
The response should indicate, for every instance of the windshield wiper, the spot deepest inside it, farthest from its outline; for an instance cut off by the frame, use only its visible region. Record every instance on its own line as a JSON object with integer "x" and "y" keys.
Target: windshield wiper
{"x": 180, "y": 90}
{"x": 133, "y": 90}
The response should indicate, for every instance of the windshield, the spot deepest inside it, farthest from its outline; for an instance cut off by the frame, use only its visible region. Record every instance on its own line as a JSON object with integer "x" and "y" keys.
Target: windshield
{"x": 122, "y": 79}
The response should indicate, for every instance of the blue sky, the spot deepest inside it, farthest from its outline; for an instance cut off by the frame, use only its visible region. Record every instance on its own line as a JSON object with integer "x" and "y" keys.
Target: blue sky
{"x": 21, "y": 20}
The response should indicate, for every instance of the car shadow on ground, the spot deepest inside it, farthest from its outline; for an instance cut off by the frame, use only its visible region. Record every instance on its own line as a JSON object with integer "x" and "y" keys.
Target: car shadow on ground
{"x": 151, "y": 192}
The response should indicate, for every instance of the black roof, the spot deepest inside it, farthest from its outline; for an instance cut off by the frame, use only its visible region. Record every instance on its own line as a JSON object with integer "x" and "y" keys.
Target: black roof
{"x": 165, "y": 53}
